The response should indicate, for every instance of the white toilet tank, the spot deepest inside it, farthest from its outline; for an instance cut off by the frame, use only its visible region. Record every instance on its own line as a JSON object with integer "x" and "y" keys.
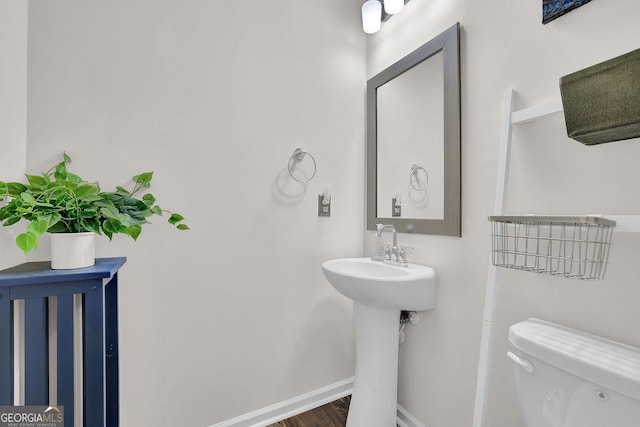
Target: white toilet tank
{"x": 568, "y": 378}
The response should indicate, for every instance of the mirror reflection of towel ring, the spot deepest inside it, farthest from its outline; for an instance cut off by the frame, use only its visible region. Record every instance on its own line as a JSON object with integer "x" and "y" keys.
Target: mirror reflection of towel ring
{"x": 297, "y": 157}
{"x": 415, "y": 170}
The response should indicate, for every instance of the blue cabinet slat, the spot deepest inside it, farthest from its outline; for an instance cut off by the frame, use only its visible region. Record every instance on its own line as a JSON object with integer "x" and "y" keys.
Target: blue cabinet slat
{"x": 35, "y": 282}
{"x": 112, "y": 353}
{"x": 36, "y": 351}
{"x": 94, "y": 355}
{"x": 65, "y": 357}
{"x": 6, "y": 349}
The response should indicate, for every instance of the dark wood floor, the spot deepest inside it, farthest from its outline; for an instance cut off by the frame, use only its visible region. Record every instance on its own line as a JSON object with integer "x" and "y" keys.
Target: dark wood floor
{"x": 332, "y": 414}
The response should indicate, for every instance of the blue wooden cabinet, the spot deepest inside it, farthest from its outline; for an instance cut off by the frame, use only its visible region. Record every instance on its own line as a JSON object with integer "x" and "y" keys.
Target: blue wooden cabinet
{"x": 35, "y": 282}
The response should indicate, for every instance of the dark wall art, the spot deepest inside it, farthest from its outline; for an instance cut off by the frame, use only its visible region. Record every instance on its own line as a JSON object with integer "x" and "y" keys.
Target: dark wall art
{"x": 552, "y": 9}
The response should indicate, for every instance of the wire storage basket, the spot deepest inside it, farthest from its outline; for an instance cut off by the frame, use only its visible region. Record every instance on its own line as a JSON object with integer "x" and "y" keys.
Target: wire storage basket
{"x": 576, "y": 247}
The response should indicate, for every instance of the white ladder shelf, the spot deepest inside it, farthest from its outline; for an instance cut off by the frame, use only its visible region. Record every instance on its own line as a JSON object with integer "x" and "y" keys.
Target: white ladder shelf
{"x": 624, "y": 223}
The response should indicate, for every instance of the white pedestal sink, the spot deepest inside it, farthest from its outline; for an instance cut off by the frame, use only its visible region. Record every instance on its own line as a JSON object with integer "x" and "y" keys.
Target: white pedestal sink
{"x": 379, "y": 292}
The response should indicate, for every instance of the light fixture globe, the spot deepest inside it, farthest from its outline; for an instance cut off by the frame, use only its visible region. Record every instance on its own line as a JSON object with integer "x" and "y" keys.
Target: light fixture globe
{"x": 371, "y": 16}
{"x": 393, "y": 6}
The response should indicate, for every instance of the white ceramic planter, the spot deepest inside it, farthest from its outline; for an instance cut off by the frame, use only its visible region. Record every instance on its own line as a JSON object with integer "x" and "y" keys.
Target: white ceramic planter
{"x": 72, "y": 250}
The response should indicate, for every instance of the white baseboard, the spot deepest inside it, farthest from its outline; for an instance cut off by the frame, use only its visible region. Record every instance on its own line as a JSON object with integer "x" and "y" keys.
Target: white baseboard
{"x": 405, "y": 419}
{"x": 289, "y": 408}
{"x": 306, "y": 402}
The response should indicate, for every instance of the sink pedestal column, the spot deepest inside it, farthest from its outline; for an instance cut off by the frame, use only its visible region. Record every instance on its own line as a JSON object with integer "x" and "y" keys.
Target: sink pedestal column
{"x": 375, "y": 390}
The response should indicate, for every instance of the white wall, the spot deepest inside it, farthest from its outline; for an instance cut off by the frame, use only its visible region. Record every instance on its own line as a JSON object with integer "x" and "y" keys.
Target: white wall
{"x": 410, "y": 130}
{"x": 13, "y": 110}
{"x": 505, "y": 45}
{"x": 214, "y": 97}
{"x": 235, "y": 315}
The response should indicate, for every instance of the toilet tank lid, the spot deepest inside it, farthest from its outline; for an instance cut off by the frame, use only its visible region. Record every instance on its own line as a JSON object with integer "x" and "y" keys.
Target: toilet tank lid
{"x": 604, "y": 362}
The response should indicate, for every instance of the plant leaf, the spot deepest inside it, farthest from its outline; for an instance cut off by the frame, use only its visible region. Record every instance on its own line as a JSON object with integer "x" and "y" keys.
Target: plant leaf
{"x": 58, "y": 227}
{"x": 16, "y": 188}
{"x": 74, "y": 178}
{"x": 149, "y": 199}
{"x": 93, "y": 224}
{"x": 124, "y": 219}
{"x": 6, "y": 211}
{"x": 36, "y": 181}
{"x": 109, "y": 211}
{"x": 38, "y": 227}
{"x": 27, "y": 241}
{"x": 123, "y": 191}
{"x": 61, "y": 171}
{"x": 28, "y": 198}
{"x": 175, "y": 218}
{"x": 134, "y": 231}
{"x": 70, "y": 205}
{"x": 88, "y": 210}
{"x": 52, "y": 219}
{"x": 133, "y": 207}
{"x": 182, "y": 227}
{"x": 86, "y": 190}
{"x": 92, "y": 198}
{"x": 12, "y": 220}
{"x": 112, "y": 225}
{"x": 144, "y": 179}
{"x": 107, "y": 233}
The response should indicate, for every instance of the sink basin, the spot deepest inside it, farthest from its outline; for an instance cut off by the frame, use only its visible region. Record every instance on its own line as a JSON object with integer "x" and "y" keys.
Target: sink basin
{"x": 411, "y": 288}
{"x": 379, "y": 291}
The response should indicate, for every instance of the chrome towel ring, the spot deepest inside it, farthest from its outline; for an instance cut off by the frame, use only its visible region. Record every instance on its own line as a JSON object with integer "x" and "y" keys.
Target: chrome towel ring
{"x": 297, "y": 157}
{"x": 414, "y": 179}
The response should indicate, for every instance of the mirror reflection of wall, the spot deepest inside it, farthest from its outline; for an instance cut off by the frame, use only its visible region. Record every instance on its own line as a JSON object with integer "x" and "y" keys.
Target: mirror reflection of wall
{"x": 411, "y": 132}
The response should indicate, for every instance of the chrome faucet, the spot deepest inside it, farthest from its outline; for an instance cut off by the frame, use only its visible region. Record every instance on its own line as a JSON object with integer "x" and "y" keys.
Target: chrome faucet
{"x": 392, "y": 254}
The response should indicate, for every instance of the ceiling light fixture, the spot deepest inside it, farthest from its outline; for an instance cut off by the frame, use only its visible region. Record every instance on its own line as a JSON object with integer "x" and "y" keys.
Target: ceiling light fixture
{"x": 373, "y": 13}
{"x": 393, "y": 6}
{"x": 371, "y": 16}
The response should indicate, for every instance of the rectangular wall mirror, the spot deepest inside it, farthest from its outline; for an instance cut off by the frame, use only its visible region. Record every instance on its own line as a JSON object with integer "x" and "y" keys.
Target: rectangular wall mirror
{"x": 413, "y": 140}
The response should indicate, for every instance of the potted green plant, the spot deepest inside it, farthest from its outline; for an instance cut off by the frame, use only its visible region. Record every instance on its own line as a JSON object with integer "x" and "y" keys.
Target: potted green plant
{"x": 71, "y": 208}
